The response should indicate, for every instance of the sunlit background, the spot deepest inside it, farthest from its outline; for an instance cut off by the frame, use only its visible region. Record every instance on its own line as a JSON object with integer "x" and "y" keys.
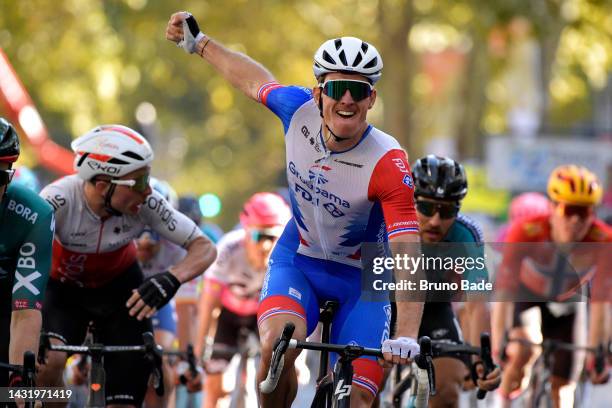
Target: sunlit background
{"x": 512, "y": 87}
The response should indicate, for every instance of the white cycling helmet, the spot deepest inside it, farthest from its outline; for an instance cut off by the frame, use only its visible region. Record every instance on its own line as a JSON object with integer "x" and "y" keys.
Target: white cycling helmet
{"x": 111, "y": 150}
{"x": 348, "y": 55}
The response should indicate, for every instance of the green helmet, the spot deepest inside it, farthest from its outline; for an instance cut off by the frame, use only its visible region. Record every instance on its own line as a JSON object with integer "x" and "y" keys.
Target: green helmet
{"x": 9, "y": 142}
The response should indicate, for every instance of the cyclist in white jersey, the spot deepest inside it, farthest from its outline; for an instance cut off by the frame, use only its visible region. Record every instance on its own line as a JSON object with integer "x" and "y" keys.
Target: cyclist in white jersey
{"x": 233, "y": 283}
{"x": 94, "y": 272}
{"x": 350, "y": 184}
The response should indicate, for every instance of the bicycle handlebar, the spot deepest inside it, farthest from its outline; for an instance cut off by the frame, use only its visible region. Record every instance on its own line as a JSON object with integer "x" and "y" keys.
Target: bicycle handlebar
{"x": 152, "y": 353}
{"x": 277, "y": 361}
{"x": 487, "y": 361}
{"x": 27, "y": 370}
{"x": 552, "y": 345}
{"x": 191, "y": 361}
{"x": 445, "y": 349}
{"x": 423, "y": 360}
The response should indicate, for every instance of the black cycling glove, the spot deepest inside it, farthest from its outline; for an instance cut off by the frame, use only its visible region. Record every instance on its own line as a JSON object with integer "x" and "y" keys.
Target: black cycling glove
{"x": 157, "y": 290}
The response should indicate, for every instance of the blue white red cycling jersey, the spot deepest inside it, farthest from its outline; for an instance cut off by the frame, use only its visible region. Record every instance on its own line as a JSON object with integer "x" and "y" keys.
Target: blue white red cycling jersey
{"x": 341, "y": 199}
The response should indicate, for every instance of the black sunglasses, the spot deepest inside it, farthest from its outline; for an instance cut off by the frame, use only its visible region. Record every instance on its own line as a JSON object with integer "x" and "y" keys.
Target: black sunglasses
{"x": 429, "y": 209}
{"x": 6, "y": 176}
{"x": 336, "y": 88}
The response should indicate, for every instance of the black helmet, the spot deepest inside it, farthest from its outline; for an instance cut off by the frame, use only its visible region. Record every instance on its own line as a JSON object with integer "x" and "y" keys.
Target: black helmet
{"x": 190, "y": 206}
{"x": 9, "y": 142}
{"x": 439, "y": 177}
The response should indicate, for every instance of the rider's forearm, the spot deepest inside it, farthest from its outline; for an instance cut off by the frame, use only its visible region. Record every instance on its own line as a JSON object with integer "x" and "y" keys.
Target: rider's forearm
{"x": 25, "y": 334}
{"x": 501, "y": 313}
{"x": 243, "y": 72}
{"x": 208, "y": 302}
{"x": 479, "y": 322}
{"x": 409, "y": 311}
{"x": 201, "y": 253}
{"x": 408, "y": 318}
{"x": 598, "y": 328}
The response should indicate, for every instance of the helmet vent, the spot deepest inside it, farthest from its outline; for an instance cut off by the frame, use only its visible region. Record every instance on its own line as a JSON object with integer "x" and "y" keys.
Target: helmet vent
{"x": 372, "y": 63}
{"x": 364, "y": 47}
{"x": 338, "y": 43}
{"x": 115, "y": 160}
{"x": 133, "y": 155}
{"x": 342, "y": 57}
{"x": 358, "y": 59}
{"x": 328, "y": 58}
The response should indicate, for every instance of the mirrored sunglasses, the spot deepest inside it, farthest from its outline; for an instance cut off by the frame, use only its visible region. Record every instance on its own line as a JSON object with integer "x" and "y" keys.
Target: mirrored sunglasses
{"x": 336, "y": 88}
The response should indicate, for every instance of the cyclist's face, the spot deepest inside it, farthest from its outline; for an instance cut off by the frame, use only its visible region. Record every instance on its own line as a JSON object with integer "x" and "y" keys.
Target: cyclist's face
{"x": 259, "y": 246}
{"x": 126, "y": 199}
{"x": 569, "y": 225}
{"x": 345, "y": 116}
{"x": 433, "y": 227}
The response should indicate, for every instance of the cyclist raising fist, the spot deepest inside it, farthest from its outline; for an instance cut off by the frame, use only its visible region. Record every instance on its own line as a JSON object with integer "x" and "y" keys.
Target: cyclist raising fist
{"x": 349, "y": 183}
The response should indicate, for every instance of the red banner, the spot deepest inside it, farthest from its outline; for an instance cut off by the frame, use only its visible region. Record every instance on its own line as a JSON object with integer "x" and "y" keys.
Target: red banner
{"x": 22, "y": 112}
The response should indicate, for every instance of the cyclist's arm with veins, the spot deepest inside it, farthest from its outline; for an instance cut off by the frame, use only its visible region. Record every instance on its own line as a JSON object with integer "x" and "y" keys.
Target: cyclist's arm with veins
{"x": 396, "y": 194}
{"x": 31, "y": 275}
{"x": 177, "y": 228}
{"x": 240, "y": 70}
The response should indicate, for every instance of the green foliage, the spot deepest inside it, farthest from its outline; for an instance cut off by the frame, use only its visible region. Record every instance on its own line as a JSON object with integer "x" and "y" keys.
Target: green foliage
{"x": 91, "y": 62}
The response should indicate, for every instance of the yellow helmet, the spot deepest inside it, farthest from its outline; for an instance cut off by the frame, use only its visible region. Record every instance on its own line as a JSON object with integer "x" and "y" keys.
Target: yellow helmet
{"x": 575, "y": 185}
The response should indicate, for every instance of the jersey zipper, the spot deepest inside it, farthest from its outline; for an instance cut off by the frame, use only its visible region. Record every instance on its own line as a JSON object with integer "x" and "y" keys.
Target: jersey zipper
{"x": 100, "y": 236}
{"x": 318, "y": 211}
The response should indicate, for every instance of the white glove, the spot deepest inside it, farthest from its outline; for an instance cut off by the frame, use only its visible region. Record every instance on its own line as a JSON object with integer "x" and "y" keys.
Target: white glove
{"x": 404, "y": 347}
{"x": 191, "y": 34}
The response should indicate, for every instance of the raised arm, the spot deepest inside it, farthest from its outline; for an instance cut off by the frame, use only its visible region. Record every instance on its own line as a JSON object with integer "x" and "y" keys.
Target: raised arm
{"x": 239, "y": 69}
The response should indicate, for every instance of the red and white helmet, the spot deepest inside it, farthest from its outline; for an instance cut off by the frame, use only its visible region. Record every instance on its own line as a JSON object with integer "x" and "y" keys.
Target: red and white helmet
{"x": 265, "y": 209}
{"x": 528, "y": 205}
{"x": 111, "y": 150}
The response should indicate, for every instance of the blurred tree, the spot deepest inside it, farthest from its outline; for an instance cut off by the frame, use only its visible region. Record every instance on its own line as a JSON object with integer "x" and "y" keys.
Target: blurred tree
{"x": 86, "y": 63}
